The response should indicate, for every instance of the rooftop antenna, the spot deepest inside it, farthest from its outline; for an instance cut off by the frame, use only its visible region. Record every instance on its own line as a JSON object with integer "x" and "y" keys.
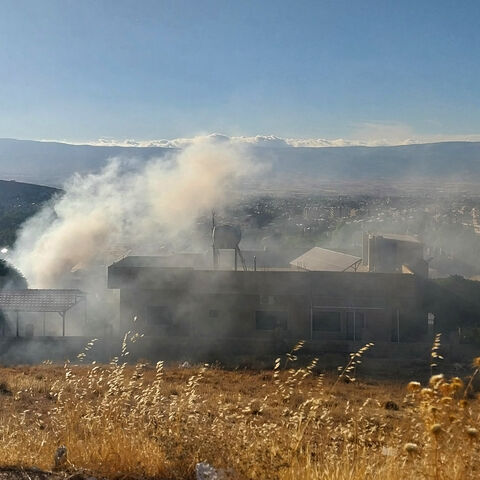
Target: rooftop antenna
{"x": 214, "y": 250}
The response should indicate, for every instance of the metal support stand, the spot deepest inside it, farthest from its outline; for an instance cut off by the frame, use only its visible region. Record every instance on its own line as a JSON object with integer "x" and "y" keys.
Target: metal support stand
{"x": 311, "y": 314}
{"x": 239, "y": 253}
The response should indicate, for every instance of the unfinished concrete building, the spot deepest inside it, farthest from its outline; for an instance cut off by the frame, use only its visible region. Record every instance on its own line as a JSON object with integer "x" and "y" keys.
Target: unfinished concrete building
{"x": 194, "y": 304}
{"x": 393, "y": 253}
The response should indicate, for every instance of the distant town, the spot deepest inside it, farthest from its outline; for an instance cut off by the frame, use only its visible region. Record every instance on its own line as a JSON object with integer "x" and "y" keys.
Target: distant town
{"x": 448, "y": 224}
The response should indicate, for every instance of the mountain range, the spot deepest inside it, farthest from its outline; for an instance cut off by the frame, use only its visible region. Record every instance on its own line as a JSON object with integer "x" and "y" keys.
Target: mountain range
{"x": 52, "y": 162}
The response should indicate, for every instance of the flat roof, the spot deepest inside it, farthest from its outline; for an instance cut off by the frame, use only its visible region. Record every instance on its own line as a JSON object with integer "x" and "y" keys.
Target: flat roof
{"x": 292, "y": 281}
{"x": 176, "y": 260}
{"x": 322, "y": 259}
{"x": 399, "y": 237}
{"x": 316, "y": 259}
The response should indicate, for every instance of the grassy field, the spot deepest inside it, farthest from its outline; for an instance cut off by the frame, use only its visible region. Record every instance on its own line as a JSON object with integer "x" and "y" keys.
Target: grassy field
{"x": 142, "y": 420}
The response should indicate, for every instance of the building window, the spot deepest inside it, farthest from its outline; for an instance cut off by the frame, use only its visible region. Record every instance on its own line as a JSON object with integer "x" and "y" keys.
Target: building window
{"x": 355, "y": 322}
{"x": 323, "y": 321}
{"x": 267, "y": 300}
{"x": 270, "y": 320}
{"x": 157, "y": 320}
{"x": 359, "y": 318}
{"x": 213, "y": 313}
{"x": 159, "y": 315}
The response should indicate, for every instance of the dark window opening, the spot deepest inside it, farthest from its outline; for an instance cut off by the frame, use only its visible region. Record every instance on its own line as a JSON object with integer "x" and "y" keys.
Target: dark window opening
{"x": 326, "y": 321}
{"x": 396, "y": 322}
{"x": 157, "y": 319}
{"x": 270, "y": 320}
{"x": 267, "y": 300}
{"x": 159, "y": 315}
{"x": 355, "y": 322}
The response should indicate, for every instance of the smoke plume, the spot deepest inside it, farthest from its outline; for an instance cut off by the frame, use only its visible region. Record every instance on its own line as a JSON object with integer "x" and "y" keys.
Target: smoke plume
{"x": 128, "y": 203}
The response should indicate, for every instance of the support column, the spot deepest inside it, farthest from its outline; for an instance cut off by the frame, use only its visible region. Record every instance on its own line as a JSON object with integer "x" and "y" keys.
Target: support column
{"x": 354, "y": 326}
{"x": 62, "y": 314}
{"x": 398, "y": 325}
{"x": 18, "y": 329}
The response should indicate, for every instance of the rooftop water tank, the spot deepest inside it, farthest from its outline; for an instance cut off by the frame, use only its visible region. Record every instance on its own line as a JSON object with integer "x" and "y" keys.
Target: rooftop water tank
{"x": 226, "y": 237}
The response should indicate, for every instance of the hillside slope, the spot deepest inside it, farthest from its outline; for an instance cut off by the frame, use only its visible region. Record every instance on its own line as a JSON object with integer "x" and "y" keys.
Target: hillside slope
{"x": 19, "y": 201}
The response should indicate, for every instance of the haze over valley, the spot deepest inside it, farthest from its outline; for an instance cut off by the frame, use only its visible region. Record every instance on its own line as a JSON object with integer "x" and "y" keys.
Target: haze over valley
{"x": 239, "y": 240}
{"x": 53, "y": 163}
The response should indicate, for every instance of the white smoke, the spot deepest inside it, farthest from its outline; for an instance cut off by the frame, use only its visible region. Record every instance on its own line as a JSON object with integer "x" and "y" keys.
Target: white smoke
{"x": 128, "y": 203}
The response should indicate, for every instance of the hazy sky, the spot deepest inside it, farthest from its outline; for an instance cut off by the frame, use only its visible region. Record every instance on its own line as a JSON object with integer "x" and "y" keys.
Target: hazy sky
{"x": 80, "y": 70}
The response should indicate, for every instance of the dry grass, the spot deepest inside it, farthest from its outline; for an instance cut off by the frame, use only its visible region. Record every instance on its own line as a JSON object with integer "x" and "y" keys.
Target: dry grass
{"x": 285, "y": 423}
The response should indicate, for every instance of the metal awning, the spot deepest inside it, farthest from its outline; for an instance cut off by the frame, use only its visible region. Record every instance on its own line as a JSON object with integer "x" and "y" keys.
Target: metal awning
{"x": 40, "y": 300}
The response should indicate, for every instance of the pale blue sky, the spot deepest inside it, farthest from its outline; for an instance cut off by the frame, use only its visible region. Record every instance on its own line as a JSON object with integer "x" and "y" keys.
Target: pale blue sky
{"x": 78, "y": 70}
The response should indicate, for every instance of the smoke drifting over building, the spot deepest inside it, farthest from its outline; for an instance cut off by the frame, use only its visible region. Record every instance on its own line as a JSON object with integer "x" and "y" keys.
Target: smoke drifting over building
{"x": 132, "y": 203}
{"x": 179, "y": 275}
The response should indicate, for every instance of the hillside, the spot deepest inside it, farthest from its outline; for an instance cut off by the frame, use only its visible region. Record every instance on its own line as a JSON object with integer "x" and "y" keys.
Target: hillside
{"x": 52, "y": 163}
{"x": 13, "y": 193}
{"x": 18, "y": 201}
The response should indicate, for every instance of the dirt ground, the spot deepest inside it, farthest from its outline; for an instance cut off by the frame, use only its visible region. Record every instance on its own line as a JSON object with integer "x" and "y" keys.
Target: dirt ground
{"x": 16, "y": 473}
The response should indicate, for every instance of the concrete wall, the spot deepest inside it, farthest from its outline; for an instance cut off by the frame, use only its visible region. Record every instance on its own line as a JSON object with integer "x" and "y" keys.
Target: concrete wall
{"x": 34, "y": 350}
{"x": 388, "y": 255}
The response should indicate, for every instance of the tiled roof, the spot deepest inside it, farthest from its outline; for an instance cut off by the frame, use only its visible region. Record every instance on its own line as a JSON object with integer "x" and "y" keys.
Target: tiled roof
{"x": 33, "y": 300}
